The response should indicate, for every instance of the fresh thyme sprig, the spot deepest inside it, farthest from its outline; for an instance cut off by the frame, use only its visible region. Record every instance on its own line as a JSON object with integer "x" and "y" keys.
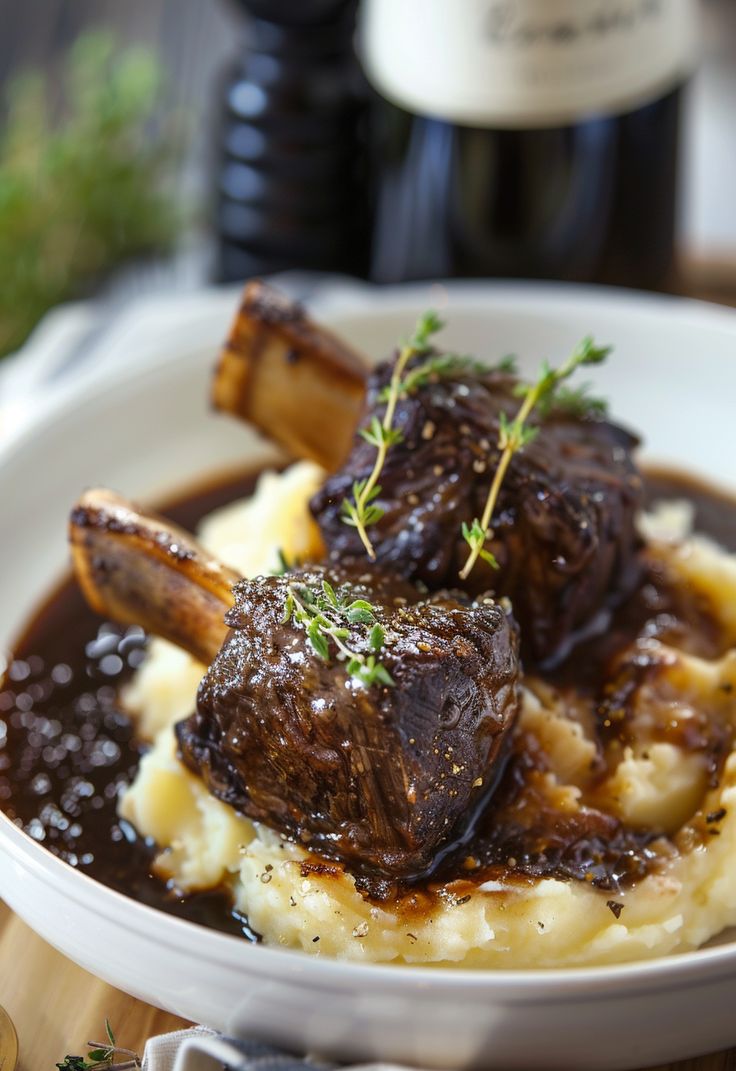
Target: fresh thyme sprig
{"x": 284, "y": 566}
{"x": 363, "y": 511}
{"x": 447, "y": 366}
{"x": 440, "y": 366}
{"x": 578, "y": 402}
{"x": 326, "y": 617}
{"x": 102, "y": 1054}
{"x": 513, "y": 436}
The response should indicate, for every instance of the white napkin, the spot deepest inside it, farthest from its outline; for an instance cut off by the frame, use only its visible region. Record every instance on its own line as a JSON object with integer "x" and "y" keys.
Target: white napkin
{"x": 200, "y": 1049}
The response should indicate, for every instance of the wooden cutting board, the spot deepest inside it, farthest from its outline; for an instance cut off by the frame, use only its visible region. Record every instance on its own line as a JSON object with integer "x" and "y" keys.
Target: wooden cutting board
{"x": 57, "y": 1007}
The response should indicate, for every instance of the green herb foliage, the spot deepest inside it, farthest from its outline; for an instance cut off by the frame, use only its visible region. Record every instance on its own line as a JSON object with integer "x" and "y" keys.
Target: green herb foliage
{"x": 102, "y": 1054}
{"x": 81, "y": 194}
{"x": 577, "y": 402}
{"x": 508, "y": 365}
{"x": 327, "y": 618}
{"x": 440, "y": 366}
{"x": 514, "y": 435}
{"x": 284, "y": 565}
{"x": 363, "y": 511}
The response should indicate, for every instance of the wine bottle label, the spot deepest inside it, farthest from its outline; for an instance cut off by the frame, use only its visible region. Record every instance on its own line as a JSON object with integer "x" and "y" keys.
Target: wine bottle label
{"x": 526, "y": 63}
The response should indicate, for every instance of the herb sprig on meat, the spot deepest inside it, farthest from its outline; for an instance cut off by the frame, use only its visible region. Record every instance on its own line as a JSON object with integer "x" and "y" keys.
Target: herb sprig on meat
{"x": 327, "y": 617}
{"x": 363, "y": 510}
{"x": 514, "y": 435}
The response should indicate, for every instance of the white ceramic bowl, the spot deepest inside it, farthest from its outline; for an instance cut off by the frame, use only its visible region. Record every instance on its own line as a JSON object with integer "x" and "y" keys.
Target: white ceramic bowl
{"x": 145, "y": 427}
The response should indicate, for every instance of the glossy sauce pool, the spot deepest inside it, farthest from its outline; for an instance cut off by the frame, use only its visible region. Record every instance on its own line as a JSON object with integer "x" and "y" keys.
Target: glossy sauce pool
{"x": 67, "y": 748}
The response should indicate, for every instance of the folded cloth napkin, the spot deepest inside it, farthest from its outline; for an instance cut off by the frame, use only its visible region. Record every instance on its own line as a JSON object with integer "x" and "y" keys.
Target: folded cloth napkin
{"x": 200, "y": 1049}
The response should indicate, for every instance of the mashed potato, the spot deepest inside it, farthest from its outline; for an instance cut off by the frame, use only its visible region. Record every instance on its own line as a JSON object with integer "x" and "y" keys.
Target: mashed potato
{"x": 547, "y": 922}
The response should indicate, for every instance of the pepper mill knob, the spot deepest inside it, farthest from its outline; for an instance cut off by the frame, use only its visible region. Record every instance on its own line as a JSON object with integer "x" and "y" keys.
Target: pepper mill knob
{"x": 291, "y": 181}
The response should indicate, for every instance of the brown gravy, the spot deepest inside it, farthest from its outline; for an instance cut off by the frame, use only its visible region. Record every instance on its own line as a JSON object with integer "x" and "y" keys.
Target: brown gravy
{"x": 67, "y": 748}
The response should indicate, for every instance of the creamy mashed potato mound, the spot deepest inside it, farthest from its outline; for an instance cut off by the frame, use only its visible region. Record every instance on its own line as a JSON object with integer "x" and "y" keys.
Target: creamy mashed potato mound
{"x": 547, "y": 922}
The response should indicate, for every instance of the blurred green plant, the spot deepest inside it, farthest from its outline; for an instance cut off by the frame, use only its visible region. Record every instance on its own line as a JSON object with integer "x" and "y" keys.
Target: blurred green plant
{"x": 84, "y": 192}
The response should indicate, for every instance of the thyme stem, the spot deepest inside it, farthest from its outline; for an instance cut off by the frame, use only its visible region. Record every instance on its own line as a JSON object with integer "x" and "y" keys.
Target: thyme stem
{"x": 362, "y": 511}
{"x": 362, "y": 499}
{"x": 325, "y": 618}
{"x": 513, "y": 436}
{"x": 114, "y": 1050}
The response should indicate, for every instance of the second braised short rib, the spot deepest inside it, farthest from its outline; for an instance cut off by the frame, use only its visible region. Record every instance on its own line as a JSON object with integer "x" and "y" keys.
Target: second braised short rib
{"x": 563, "y": 528}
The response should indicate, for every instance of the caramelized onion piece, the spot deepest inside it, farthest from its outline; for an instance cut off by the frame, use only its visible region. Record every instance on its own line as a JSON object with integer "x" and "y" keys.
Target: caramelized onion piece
{"x": 313, "y": 410}
{"x": 138, "y": 568}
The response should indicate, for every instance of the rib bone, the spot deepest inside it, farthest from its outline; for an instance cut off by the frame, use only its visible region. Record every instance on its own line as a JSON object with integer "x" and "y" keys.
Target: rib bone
{"x": 137, "y": 568}
{"x": 297, "y": 382}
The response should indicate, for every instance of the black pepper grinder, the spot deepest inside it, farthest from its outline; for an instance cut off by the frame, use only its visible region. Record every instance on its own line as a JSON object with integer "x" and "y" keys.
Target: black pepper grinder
{"x": 291, "y": 183}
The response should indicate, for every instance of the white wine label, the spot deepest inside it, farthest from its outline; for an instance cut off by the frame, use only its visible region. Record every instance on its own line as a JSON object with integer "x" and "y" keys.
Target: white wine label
{"x": 526, "y": 63}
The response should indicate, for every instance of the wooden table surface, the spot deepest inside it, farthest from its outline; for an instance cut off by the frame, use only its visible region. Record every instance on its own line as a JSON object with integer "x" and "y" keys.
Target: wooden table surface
{"x": 57, "y": 1007}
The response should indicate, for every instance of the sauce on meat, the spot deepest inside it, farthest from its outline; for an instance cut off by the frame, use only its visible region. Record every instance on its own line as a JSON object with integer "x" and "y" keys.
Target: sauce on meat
{"x": 67, "y": 747}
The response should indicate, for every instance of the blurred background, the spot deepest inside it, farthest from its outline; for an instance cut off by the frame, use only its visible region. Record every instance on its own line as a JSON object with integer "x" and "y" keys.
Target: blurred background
{"x": 158, "y": 144}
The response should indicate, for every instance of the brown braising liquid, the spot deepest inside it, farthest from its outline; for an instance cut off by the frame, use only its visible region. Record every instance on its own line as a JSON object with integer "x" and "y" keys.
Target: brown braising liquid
{"x": 67, "y": 748}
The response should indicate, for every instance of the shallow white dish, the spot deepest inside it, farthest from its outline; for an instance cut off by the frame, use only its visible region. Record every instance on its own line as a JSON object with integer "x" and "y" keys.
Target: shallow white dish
{"x": 143, "y": 426}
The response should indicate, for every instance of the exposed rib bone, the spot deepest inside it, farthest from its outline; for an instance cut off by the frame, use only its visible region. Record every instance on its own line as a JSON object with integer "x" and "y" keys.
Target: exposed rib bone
{"x": 297, "y": 382}
{"x": 137, "y": 568}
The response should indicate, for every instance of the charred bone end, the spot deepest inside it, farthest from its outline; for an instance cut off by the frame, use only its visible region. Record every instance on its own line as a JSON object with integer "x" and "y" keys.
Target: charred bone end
{"x": 294, "y": 380}
{"x": 137, "y": 568}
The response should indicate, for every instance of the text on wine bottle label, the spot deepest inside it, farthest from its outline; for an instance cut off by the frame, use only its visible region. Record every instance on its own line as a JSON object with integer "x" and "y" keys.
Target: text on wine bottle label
{"x": 526, "y": 63}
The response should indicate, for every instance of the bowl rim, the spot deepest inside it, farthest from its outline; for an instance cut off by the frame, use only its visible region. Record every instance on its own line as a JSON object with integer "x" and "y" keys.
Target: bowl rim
{"x": 345, "y": 299}
{"x": 664, "y": 972}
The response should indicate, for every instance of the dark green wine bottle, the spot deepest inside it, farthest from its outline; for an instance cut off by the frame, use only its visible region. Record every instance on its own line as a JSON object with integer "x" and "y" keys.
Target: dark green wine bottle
{"x": 527, "y": 138}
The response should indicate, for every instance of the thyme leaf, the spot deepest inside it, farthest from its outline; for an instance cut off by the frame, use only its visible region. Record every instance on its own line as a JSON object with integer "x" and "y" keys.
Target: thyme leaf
{"x": 579, "y": 402}
{"x": 325, "y": 616}
{"x": 474, "y": 535}
{"x": 508, "y": 364}
{"x": 362, "y": 511}
{"x": 284, "y": 565}
{"x": 102, "y": 1054}
{"x": 441, "y": 366}
{"x": 514, "y": 435}
{"x": 447, "y": 366}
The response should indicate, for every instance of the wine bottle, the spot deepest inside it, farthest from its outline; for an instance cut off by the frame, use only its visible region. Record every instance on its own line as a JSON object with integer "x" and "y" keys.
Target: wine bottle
{"x": 526, "y": 138}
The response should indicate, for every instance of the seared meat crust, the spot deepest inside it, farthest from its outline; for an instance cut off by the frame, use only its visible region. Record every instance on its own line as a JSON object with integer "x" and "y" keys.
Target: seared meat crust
{"x": 564, "y": 533}
{"x": 384, "y": 779}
